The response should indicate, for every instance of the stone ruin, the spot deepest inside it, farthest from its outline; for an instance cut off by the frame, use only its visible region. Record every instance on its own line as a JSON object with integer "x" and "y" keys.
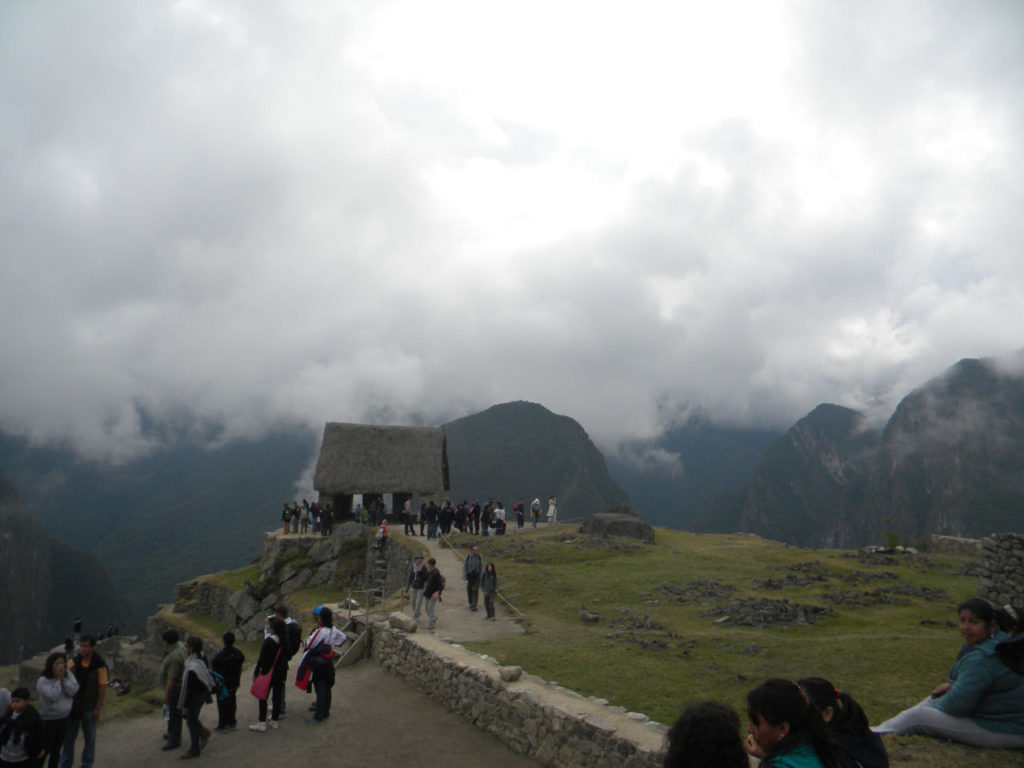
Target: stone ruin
{"x": 620, "y": 521}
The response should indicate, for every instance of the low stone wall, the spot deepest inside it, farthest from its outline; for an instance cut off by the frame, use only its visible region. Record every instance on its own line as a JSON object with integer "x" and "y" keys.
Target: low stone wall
{"x": 1001, "y": 569}
{"x": 552, "y": 725}
{"x": 954, "y": 545}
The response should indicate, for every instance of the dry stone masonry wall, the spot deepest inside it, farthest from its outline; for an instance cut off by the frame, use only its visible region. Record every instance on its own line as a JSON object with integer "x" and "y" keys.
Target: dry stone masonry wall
{"x": 553, "y": 726}
{"x": 1001, "y": 569}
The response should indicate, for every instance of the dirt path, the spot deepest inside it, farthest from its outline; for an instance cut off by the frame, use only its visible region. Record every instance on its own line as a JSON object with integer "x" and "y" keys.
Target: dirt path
{"x": 455, "y": 622}
{"x": 376, "y": 719}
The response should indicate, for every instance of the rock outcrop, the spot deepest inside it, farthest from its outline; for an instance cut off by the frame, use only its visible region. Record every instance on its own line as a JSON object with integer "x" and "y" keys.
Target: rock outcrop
{"x": 621, "y": 521}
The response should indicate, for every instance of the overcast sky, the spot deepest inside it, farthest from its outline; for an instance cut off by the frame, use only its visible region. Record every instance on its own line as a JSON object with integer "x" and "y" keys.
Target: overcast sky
{"x": 255, "y": 212}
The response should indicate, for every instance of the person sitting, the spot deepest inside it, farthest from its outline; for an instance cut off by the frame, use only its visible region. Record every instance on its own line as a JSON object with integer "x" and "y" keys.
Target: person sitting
{"x": 706, "y": 734}
{"x": 846, "y": 723}
{"x": 786, "y": 731}
{"x": 982, "y": 703}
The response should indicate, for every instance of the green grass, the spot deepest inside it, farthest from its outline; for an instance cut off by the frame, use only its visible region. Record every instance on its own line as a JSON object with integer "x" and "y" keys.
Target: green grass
{"x": 235, "y": 580}
{"x": 881, "y": 654}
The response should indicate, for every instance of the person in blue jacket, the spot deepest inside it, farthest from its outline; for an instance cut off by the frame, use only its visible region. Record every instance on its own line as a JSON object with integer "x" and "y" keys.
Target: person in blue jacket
{"x": 982, "y": 703}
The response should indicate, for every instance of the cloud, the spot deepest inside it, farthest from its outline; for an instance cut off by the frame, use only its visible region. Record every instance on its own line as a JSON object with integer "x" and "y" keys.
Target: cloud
{"x": 337, "y": 211}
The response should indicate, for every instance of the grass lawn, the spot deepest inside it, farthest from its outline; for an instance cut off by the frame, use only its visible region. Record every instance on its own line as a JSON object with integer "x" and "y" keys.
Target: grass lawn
{"x": 657, "y": 644}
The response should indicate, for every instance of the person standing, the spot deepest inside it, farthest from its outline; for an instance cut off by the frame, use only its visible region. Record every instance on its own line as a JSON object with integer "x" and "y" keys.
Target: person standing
{"x": 171, "y": 670}
{"x": 292, "y": 643}
{"x": 272, "y": 660}
{"x": 535, "y": 511}
{"x": 520, "y": 510}
{"x": 417, "y": 576}
{"x": 317, "y": 665}
{"x": 22, "y": 736}
{"x": 382, "y": 535}
{"x": 90, "y": 670}
{"x": 196, "y": 684}
{"x": 408, "y": 518}
{"x": 433, "y": 586}
{"x": 552, "y": 510}
{"x": 472, "y": 567}
{"x": 228, "y": 664}
{"x": 489, "y": 586}
{"x": 57, "y": 691}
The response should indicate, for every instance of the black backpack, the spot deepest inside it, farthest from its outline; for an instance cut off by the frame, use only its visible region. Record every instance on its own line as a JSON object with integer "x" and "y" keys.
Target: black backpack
{"x": 293, "y": 638}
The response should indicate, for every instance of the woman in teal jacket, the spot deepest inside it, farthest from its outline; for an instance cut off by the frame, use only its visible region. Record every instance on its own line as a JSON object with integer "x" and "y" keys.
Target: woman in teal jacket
{"x": 982, "y": 703}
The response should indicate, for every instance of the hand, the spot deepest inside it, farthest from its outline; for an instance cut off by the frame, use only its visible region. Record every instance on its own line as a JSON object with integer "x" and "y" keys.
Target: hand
{"x": 184, "y": 712}
{"x": 753, "y": 748}
{"x": 96, "y": 714}
{"x": 939, "y": 690}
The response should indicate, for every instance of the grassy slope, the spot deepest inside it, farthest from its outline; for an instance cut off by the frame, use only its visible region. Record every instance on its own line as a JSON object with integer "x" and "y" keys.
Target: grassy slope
{"x": 882, "y": 654}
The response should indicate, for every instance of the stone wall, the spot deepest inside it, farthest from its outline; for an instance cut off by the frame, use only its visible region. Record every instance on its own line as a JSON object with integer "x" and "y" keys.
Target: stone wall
{"x": 954, "y": 545}
{"x": 552, "y": 725}
{"x": 1001, "y": 569}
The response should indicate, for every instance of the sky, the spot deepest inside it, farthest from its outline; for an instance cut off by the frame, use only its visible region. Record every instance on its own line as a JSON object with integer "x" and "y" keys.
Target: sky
{"x": 252, "y": 213}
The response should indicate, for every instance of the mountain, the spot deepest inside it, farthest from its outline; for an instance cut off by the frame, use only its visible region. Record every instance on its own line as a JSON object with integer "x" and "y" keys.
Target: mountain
{"x": 671, "y": 480}
{"x": 523, "y": 450}
{"x": 950, "y": 461}
{"x": 156, "y": 521}
{"x": 47, "y": 583}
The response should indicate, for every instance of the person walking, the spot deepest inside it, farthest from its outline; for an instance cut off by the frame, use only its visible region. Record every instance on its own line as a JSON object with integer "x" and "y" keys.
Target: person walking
{"x": 172, "y": 668}
{"x": 196, "y": 684}
{"x": 489, "y": 586}
{"x": 472, "y": 567}
{"x": 417, "y": 576}
{"x": 433, "y": 586}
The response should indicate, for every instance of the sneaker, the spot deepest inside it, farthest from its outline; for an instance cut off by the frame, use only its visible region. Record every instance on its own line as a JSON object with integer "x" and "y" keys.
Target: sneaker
{"x": 274, "y": 724}
{"x": 258, "y": 727}
{"x": 189, "y": 755}
{"x": 313, "y": 721}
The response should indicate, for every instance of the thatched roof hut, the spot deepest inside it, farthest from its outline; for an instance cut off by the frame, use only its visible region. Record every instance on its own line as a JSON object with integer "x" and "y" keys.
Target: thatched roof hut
{"x": 358, "y": 459}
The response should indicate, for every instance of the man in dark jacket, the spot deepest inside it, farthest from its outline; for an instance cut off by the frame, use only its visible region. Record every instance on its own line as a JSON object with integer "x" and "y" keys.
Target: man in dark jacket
{"x": 91, "y": 673}
{"x": 433, "y": 585}
{"x": 417, "y": 575}
{"x": 472, "y": 567}
{"x": 228, "y": 664}
{"x": 21, "y": 733}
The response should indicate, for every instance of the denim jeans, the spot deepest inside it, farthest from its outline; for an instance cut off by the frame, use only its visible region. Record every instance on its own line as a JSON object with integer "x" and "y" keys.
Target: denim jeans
{"x": 88, "y": 726}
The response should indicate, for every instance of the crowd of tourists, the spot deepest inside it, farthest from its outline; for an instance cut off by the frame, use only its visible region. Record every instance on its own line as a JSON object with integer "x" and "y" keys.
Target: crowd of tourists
{"x": 488, "y": 519}
{"x": 431, "y": 519}
{"x": 305, "y": 517}
{"x": 809, "y": 723}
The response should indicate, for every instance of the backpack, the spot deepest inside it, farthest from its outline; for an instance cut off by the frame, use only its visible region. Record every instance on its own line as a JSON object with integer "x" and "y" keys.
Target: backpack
{"x": 220, "y": 688}
{"x": 293, "y": 638}
{"x": 1011, "y": 652}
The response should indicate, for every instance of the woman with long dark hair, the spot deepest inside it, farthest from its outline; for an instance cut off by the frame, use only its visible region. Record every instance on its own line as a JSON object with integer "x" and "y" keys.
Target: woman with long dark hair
{"x": 982, "y": 702}
{"x": 786, "y": 730}
{"x": 272, "y": 659}
{"x": 57, "y": 689}
{"x": 846, "y": 723}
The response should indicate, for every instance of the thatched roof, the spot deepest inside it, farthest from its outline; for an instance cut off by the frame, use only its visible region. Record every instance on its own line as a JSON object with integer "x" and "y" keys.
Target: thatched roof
{"x": 356, "y": 458}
